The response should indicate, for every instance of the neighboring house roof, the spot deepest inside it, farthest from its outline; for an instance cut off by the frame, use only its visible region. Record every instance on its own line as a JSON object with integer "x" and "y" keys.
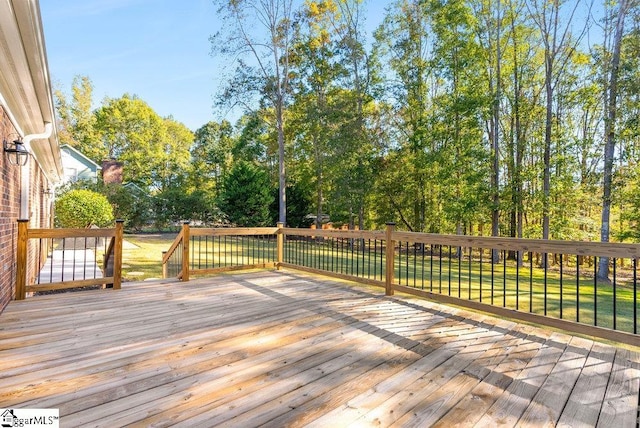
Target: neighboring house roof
{"x": 135, "y": 189}
{"x": 25, "y": 84}
{"x": 77, "y": 166}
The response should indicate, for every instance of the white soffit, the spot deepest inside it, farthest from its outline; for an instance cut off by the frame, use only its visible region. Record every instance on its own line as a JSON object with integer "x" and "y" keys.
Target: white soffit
{"x": 25, "y": 85}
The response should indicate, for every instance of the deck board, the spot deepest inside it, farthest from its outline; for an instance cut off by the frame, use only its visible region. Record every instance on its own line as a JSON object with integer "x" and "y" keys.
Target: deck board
{"x": 292, "y": 349}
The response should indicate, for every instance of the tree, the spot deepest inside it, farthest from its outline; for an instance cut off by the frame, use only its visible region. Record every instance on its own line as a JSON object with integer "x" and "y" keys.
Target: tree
{"x": 519, "y": 79}
{"x": 627, "y": 177}
{"x": 76, "y": 119}
{"x": 132, "y": 132}
{"x": 175, "y": 156}
{"x": 265, "y": 30}
{"x": 299, "y": 204}
{"x": 134, "y": 208}
{"x": 489, "y": 16}
{"x": 559, "y": 46}
{"x": 360, "y": 79}
{"x": 211, "y": 155}
{"x": 82, "y": 208}
{"x": 245, "y": 195}
{"x": 457, "y": 126}
{"x": 314, "y": 116}
{"x": 402, "y": 42}
{"x": 176, "y": 204}
{"x": 611, "y": 104}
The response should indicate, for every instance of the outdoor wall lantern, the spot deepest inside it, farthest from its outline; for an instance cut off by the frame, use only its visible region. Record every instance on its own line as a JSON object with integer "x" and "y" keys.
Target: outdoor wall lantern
{"x": 16, "y": 152}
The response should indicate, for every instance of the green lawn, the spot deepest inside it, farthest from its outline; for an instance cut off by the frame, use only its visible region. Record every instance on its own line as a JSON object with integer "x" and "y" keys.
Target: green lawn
{"x": 142, "y": 255}
{"x": 527, "y": 289}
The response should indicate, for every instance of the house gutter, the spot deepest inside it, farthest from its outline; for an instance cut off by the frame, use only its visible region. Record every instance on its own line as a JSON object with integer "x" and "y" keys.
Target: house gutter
{"x": 25, "y": 170}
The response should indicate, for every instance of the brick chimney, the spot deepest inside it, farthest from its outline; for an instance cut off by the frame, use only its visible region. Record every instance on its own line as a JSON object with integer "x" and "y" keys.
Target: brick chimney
{"x": 112, "y": 172}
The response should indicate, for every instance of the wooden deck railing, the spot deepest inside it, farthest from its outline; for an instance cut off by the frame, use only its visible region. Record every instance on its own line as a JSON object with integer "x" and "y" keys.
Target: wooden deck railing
{"x": 554, "y": 283}
{"x": 70, "y": 271}
{"x": 201, "y": 251}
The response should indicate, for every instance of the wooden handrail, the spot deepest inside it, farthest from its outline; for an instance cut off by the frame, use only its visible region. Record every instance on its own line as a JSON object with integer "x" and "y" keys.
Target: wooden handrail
{"x": 109, "y": 253}
{"x": 166, "y": 255}
{"x": 390, "y": 259}
{"x": 280, "y": 245}
{"x": 578, "y": 248}
{"x": 114, "y": 250}
{"x": 185, "y": 252}
{"x": 22, "y": 260}
{"x": 396, "y": 250}
{"x": 181, "y": 239}
{"x": 237, "y": 231}
{"x": 71, "y": 232}
{"x": 117, "y": 255}
{"x": 599, "y": 249}
{"x": 336, "y": 233}
{"x": 187, "y": 232}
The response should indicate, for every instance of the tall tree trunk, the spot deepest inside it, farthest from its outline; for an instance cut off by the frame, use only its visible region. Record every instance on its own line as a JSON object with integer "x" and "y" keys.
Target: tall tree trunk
{"x": 516, "y": 139}
{"x": 320, "y": 185}
{"x": 282, "y": 184}
{"x": 546, "y": 157}
{"x": 610, "y": 137}
{"x": 278, "y": 98}
{"x": 559, "y": 46}
{"x": 495, "y": 215}
{"x": 519, "y": 138}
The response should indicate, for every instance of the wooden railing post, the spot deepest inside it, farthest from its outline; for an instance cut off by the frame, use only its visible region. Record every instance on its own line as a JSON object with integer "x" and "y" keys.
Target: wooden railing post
{"x": 280, "y": 245}
{"x": 21, "y": 260}
{"x": 164, "y": 265}
{"x": 117, "y": 255}
{"x": 185, "y": 251}
{"x": 390, "y": 262}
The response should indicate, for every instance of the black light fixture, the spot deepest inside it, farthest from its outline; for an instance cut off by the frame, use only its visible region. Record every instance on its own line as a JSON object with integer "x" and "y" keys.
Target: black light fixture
{"x": 16, "y": 152}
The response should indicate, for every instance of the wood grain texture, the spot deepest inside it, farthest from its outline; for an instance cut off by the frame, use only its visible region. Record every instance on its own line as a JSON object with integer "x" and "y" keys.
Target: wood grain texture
{"x": 285, "y": 348}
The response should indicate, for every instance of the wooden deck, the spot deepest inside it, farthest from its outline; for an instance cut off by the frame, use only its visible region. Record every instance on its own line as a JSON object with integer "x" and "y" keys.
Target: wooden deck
{"x": 290, "y": 349}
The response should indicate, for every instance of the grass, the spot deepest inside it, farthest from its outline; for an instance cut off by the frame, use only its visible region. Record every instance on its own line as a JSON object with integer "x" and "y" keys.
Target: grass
{"x": 142, "y": 255}
{"x": 566, "y": 296}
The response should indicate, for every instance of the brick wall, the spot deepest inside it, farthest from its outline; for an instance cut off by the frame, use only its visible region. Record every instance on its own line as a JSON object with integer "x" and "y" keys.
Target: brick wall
{"x": 9, "y": 211}
{"x": 112, "y": 172}
{"x": 39, "y": 215}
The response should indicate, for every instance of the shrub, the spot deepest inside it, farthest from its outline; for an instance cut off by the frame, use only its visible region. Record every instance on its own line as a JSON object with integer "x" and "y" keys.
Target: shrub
{"x": 83, "y": 208}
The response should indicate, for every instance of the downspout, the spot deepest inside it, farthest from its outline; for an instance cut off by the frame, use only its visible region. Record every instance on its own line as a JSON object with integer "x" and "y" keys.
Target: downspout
{"x": 25, "y": 170}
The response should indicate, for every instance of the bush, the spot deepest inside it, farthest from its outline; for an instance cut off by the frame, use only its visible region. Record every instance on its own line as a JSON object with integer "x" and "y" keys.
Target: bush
{"x": 83, "y": 208}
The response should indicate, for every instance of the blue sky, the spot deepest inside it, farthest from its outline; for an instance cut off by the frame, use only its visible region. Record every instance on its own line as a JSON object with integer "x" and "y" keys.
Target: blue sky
{"x": 155, "y": 49}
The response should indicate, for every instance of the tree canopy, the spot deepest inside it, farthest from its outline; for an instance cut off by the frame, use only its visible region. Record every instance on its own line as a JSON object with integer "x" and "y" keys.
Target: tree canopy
{"x": 514, "y": 118}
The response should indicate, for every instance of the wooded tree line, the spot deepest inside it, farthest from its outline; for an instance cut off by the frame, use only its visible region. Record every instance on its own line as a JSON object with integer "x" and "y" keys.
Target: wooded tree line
{"x": 512, "y": 117}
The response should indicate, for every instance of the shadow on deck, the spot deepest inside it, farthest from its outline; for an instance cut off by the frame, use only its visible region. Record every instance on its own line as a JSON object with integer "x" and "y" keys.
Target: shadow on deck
{"x": 291, "y": 349}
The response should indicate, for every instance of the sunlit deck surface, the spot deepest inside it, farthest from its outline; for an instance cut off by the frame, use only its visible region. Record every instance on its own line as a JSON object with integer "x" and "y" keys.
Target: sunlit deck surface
{"x": 291, "y": 349}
